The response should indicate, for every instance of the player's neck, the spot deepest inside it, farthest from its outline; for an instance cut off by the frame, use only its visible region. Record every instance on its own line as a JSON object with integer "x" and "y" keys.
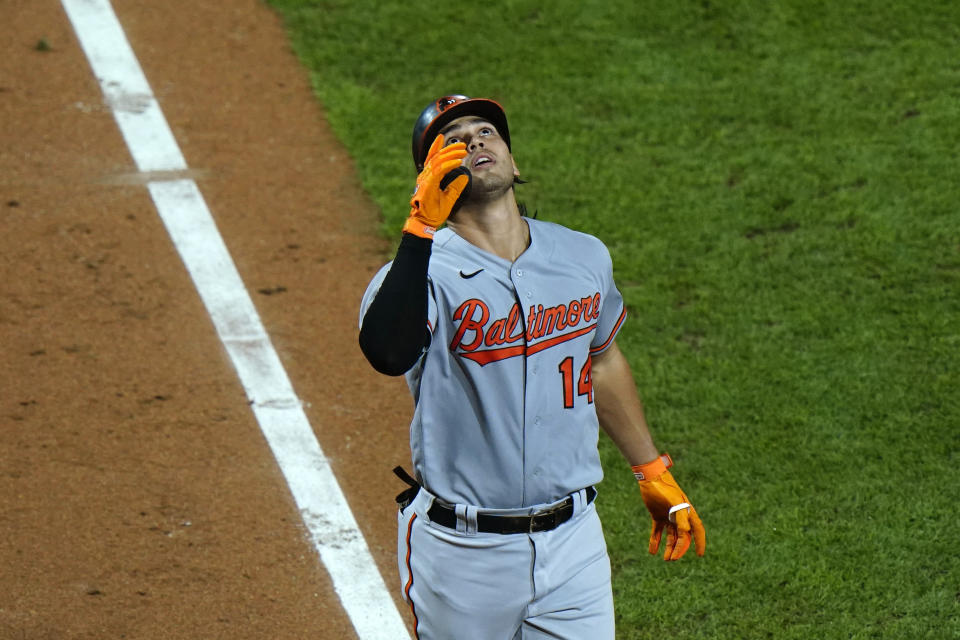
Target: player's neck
{"x": 496, "y": 227}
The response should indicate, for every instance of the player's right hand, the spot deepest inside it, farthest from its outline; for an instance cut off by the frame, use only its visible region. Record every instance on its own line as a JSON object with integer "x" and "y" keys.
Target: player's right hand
{"x": 441, "y": 187}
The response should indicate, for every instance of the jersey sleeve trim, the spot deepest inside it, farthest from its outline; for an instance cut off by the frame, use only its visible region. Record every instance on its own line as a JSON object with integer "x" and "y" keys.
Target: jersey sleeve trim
{"x": 613, "y": 334}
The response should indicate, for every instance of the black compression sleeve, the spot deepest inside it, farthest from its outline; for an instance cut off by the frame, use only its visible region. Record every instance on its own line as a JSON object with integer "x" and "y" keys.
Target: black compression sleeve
{"x": 394, "y": 330}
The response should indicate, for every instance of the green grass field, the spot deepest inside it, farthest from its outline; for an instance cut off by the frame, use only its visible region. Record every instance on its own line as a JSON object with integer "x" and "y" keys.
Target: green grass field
{"x": 778, "y": 183}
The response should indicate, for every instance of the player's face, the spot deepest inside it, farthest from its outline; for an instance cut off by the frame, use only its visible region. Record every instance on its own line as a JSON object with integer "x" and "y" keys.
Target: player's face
{"x": 488, "y": 156}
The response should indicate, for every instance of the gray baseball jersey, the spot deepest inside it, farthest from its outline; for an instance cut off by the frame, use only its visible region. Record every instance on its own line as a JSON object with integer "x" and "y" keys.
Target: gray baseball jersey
{"x": 504, "y": 415}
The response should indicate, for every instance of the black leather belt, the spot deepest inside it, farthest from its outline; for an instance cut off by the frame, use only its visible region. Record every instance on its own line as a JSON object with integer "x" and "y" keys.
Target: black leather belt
{"x": 488, "y": 523}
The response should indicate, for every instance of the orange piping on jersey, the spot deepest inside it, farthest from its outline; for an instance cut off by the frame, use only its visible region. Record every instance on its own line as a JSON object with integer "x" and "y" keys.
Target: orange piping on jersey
{"x": 409, "y": 585}
{"x": 616, "y": 327}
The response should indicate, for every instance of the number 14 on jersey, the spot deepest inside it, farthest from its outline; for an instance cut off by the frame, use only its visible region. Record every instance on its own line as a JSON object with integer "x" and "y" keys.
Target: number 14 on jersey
{"x": 584, "y": 381}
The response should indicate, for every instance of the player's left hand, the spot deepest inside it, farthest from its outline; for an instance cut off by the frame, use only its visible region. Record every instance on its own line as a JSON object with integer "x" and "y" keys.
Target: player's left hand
{"x": 671, "y": 511}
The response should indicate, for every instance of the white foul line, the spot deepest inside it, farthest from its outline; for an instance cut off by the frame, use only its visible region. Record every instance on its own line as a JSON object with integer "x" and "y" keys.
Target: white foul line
{"x": 324, "y": 509}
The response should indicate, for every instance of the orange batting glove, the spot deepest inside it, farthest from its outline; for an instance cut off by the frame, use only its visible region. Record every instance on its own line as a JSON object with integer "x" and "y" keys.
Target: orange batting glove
{"x": 441, "y": 188}
{"x": 670, "y": 509}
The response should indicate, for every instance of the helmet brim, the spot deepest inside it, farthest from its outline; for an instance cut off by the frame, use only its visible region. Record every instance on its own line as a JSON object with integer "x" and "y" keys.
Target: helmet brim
{"x": 484, "y": 108}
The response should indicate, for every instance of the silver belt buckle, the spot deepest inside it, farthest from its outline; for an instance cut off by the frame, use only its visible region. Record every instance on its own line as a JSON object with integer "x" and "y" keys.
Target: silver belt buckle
{"x": 552, "y": 514}
{"x": 535, "y": 528}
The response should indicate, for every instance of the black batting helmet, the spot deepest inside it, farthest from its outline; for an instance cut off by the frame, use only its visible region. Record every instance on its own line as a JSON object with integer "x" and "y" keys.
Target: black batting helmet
{"x": 448, "y": 108}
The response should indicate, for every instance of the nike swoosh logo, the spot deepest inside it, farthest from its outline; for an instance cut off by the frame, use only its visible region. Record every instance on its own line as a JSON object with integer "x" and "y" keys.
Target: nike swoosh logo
{"x": 467, "y": 276}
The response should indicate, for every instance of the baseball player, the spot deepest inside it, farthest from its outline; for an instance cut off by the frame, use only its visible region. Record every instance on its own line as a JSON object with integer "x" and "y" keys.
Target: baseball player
{"x": 505, "y": 328}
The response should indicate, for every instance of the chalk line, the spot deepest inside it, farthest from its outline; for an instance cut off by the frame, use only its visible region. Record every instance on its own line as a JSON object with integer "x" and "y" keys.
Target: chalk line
{"x": 325, "y": 512}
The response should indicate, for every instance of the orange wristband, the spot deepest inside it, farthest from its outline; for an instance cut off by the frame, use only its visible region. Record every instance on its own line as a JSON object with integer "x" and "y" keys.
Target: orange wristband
{"x": 652, "y": 469}
{"x": 418, "y": 228}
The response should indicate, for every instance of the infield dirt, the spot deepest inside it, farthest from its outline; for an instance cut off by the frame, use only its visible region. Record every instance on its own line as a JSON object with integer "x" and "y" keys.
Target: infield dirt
{"x": 138, "y": 497}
